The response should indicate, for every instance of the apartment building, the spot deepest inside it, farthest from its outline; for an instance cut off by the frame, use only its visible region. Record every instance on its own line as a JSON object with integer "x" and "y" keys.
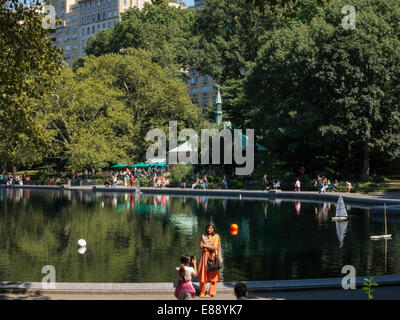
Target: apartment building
{"x": 201, "y": 89}
{"x": 84, "y": 18}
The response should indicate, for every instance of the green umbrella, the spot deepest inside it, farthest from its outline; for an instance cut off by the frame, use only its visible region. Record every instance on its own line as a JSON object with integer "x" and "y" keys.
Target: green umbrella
{"x": 141, "y": 164}
{"x": 119, "y": 165}
{"x": 160, "y": 165}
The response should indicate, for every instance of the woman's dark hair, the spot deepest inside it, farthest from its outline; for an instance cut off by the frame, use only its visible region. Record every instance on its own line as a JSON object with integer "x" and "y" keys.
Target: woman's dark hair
{"x": 184, "y": 260}
{"x": 211, "y": 225}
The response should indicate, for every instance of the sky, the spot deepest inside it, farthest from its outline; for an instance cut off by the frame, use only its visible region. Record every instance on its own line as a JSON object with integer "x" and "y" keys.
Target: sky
{"x": 189, "y": 3}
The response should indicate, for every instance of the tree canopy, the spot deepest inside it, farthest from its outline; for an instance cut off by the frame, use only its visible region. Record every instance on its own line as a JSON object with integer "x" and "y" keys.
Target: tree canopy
{"x": 29, "y": 65}
{"x": 328, "y": 93}
{"x": 101, "y": 113}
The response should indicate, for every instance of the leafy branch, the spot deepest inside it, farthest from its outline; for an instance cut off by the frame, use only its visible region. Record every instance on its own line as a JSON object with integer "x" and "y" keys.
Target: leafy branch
{"x": 368, "y": 287}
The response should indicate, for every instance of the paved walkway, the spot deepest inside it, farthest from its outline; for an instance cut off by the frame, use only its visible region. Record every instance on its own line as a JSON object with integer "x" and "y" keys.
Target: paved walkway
{"x": 320, "y": 289}
{"x": 380, "y": 293}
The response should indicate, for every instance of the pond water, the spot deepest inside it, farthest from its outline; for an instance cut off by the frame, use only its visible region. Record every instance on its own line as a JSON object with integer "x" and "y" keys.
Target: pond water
{"x": 140, "y": 239}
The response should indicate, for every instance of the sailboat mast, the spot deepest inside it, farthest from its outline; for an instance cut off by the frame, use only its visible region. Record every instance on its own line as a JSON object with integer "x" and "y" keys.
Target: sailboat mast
{"x": 384, "y": 206}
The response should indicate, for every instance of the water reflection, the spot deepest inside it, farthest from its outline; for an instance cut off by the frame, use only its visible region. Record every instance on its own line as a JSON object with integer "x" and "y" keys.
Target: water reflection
{"x": 276, "y": 240}
{"x": 341, "y": 228}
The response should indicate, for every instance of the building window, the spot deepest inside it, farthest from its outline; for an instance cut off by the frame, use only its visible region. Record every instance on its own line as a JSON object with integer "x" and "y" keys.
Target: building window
{"x": 83, "y": 20}
{"x": 62, "y": 14}
{"x": 98, "y": 17}
{"x": 75, "y": 46}
{"x": 67, "y": 48}
{"x": 104, "y": 15}
{"x": 83, "y": 31}
{"x": 74, "y": 36}
{"x": 109, "y": 14}
{"x": 88, "y": 19}
{"x": 125, "y": 3}
{"x": 98, "y": 3}
{"x": 93, "y": 5}
{"x": 195, "y": 100}
{"x": 205, "y": 89}
{"x": 193, "y": 80}
{"x": 74, "y": 29}
{"x": 115, "y": 2}
{"x": 204, "y": 79}
{"x": 194, "y": 90}
{"x": 67, "y": 29}
{"x": 205, "y": 101}
{"x": 104, "y": 3}
{"x": 109, "y": 24}
{"x": 93, "y": 29}
{"x": 60, "y": 30}
{"x": 75, "y": 18}
{"x": 59, "y": 40}
{"x": 109, "y": 3}
{"x": 98, "y": 27}
{"x": 88, "y": 7}
{"x": 88, "y": 31}
{"x": 115, "y": 13}
{"x": 215, "y": 89}
{"x": 94, "y": 17}
{"x": 68, "y": 20}
{"x": 104, "y": 25}
{"x": 83, "y": 7}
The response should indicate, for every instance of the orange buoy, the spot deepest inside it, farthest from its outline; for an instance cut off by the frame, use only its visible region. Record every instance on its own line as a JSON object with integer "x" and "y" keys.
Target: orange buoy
{"x": 234, "y": 226}
{"x": 234, "y": 232}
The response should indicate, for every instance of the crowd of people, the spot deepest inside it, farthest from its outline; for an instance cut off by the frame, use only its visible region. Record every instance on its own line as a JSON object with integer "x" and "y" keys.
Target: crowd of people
{"x": 273, "y": 184}
{"x": 18, "y": 179}
{"x": 323, "y": 185}
{"x": 128, "y": 177}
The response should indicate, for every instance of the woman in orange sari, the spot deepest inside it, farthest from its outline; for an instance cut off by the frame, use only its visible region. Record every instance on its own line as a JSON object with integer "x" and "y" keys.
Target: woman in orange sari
{"x": 210, "y": 246}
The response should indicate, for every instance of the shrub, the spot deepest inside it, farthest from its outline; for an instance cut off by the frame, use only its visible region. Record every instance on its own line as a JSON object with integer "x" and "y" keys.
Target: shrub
{"x": 177, "y": 171}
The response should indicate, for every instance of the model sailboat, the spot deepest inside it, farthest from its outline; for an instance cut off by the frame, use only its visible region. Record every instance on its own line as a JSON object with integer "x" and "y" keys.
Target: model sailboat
{"x": 341, "y": 213}
{"x": 384, "y": 236}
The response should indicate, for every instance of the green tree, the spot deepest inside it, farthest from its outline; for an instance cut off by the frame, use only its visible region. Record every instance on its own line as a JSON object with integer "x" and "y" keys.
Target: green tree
{"x": 101, "y": 113}
{"x": 161, "y": 29}
{"x": 227, "y": 37}
{"x": 29, "y": 65}
{"x": 318, "y": 88}
{"x": 87, "y": 120}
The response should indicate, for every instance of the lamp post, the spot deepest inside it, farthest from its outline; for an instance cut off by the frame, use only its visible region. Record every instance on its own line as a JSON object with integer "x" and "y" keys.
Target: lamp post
{"x": 218, "y": 112}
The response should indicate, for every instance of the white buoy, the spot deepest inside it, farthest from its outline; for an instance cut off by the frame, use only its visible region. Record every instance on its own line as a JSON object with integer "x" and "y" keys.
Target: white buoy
{"x": 102, "y": 204}
{"x": 81, "y": 250}
{"x": 81, "y": 243}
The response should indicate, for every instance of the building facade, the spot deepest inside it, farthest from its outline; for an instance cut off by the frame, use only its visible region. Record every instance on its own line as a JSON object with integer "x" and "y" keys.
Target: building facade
{"x": 84, "y": 18}
{"x": 201, "y": 89}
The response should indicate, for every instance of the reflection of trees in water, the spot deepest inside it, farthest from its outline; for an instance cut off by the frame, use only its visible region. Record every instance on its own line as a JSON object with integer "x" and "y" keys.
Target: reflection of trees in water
{"x": 128, "y": 245}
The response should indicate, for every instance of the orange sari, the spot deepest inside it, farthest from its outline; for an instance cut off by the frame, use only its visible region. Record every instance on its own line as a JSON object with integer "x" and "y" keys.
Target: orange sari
{"x": 209, "y": 276}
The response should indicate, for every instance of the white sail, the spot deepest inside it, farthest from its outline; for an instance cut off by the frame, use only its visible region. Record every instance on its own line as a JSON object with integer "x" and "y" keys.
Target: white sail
{"x": 341, "y": 228}
{"x": 341, "y": 208}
